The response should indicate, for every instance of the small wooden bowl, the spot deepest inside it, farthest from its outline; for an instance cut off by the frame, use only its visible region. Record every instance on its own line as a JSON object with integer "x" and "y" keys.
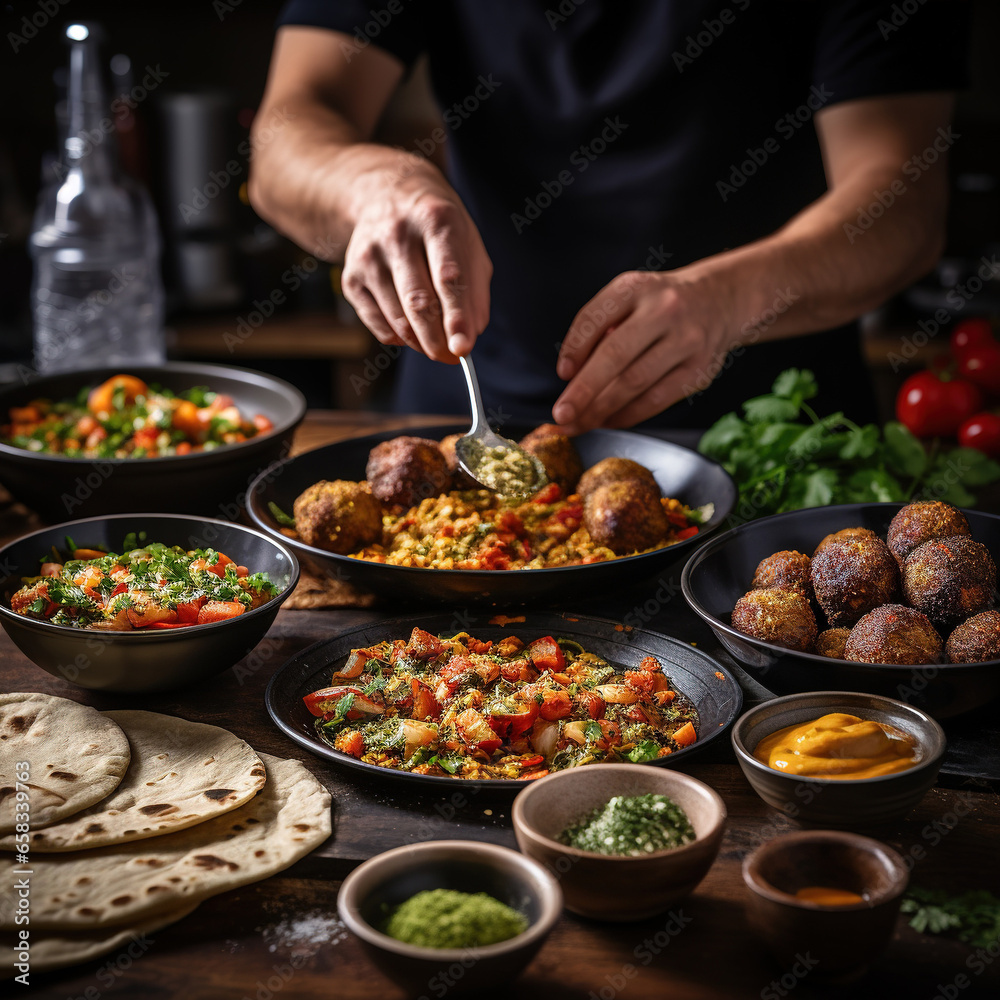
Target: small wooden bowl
{"x": 606, "y": 887}
{"x": 815, "y": 939}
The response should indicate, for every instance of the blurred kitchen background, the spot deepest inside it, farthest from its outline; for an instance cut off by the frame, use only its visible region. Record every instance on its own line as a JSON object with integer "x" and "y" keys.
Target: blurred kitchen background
{"x": 195, "y": 72}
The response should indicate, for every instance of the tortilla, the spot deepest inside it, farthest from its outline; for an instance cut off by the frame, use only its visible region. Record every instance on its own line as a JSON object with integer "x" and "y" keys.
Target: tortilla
{"x": 125, "y": 883}
{"x": 76, "y": 756}
{"x": 181, "y": 773}
{"x": 56, "y": 949}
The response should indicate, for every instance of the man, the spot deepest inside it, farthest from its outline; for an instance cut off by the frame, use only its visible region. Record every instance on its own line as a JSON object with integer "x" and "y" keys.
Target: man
{"x": 642, "y": 197}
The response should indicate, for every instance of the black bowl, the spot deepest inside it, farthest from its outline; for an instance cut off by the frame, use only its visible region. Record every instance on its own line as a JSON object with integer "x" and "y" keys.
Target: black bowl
{"x": 680, "y": 472}
{"x": 145, "y": 660}
{"x": 712, "y": 689}
{"x": 210, "y": 482}
{"x": 720, "y": 572}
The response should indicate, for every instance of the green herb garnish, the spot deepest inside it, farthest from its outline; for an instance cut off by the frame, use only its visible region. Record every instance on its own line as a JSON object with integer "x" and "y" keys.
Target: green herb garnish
{"x": 784, "y": 456}
{"x": 972, "y": 917}
{"x": 279, "y": 515}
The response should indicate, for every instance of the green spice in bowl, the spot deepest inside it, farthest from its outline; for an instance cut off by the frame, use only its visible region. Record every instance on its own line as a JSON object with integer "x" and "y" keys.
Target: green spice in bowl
{"x": 631, "y": 826}
{"x": 447, "y": 918}
{"x": 478, "y": 910}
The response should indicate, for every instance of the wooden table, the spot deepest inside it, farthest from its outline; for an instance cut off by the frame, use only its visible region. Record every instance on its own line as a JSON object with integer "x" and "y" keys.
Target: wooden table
{"x": 280, "y": 938}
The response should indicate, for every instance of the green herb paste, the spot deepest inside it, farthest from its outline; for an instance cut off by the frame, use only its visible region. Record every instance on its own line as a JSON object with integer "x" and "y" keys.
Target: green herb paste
{"x": 444, "y": 918}
{"x": 509, "y": 471}
{"x": 631, "y": 827}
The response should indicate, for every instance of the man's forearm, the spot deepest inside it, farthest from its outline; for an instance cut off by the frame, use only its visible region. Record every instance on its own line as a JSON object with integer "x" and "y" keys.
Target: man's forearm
{"x": 832, "y": 263}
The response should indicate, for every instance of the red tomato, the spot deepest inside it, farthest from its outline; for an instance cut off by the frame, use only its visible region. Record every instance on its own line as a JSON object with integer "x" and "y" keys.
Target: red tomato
{"x": 981, "y": 432}
{"x": 970, "y": 333}
{"x": 982, "y": 365}
{"x": 930, "y": 406}
{"x": 545, "y": 654}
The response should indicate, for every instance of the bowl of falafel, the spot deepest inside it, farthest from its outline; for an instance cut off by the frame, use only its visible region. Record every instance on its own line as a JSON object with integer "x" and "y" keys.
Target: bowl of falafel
{"x": 394, "y": 515}
{"x": 888, "y": 598}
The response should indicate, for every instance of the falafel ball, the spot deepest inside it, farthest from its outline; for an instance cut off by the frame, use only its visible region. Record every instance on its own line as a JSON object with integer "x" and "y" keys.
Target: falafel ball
{"x": 975, "y": 640}
{"x": 783, "y": 617}
{"x": 894, "y": 633}
{"x": 625, "y": 517}
{"x": 917, "y": 523}
{"x": 844, "y": 535}
{"x": 338, "y": 516}
{"x": 787, "y": 569}
{"x": 831, "y": 642}
{"x": 407, "y": 470}
{"x": 853, "y": 574}
{"x": 613, "y": 470}
{"x": 949, "y": 579}
{"x": 460, "y": 480}
{"x": 557, "y": 453}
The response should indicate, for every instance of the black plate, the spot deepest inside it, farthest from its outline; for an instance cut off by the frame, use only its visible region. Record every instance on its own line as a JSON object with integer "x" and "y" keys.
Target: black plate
{"x": 680, "y": 473}
{"x": 213, "y": 483}
{"x": 693, "y": 673}
{"x": 719, "y": 574}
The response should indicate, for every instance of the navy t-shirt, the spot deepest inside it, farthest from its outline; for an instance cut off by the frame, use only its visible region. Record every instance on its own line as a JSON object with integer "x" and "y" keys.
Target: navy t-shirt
{"x": 587, "y": 138}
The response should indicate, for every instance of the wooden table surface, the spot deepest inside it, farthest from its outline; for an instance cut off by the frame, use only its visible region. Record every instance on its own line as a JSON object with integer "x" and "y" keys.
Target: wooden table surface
{"x": 280, "y": 938}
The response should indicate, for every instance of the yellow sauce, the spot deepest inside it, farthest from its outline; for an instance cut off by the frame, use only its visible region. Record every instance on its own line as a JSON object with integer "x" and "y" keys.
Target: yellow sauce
{"x": 828, "y": 897}
{"x": 838, "y": 746}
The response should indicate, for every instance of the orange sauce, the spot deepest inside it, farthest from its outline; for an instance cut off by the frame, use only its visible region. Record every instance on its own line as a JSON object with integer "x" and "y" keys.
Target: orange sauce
{"x": 827, "y": 896}
{"x": 838, "y": 746}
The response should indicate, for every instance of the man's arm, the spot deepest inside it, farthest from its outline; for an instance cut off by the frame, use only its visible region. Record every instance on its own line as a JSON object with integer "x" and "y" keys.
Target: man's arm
{"x": 647, "y": 340}
{"x": 415, "y": 268}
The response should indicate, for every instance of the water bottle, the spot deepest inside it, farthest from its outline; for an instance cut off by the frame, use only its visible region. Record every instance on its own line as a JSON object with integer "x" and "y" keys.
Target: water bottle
{"x": 96, "y": 294}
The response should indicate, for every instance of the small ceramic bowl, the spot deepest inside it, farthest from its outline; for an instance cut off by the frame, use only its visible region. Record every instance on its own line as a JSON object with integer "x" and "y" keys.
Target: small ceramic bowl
{"x": 391, "y": 878}
{"x": 816, "y": 940}
{"x": 856, "y": 803}
{"x": 606, "y": 887}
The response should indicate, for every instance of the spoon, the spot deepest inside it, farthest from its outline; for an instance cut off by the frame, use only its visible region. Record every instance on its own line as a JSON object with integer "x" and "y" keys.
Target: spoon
{"x": 493, "y": 461}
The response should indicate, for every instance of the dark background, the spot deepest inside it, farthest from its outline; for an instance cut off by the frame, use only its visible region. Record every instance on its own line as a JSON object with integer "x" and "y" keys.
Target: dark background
{"x": 224, "y": 47}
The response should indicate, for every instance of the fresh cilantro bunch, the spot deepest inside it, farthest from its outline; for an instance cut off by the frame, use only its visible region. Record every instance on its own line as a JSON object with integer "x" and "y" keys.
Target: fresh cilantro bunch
{"x": 784, "y": 456}
{"x": 972, "y": 917}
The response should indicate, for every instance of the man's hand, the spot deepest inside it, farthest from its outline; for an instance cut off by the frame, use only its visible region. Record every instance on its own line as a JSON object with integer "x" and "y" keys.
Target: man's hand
{"x": 415, "y": 268}
{"x": 647, "y": 340}
{"x": 641, "y": 344}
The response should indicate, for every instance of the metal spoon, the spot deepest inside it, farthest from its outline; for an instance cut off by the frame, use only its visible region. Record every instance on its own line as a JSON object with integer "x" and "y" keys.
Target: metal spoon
{"x": 495, "y": 462}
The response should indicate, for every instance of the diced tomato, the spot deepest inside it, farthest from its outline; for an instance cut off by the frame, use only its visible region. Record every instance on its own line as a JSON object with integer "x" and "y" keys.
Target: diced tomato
{"x": 188, "y": 611}
{"x": 478, "y": 646}
{"x": 425, "y": 705}
{"x": 664, "y": 697}
{"x": 324, "y": 701}
{"x": 649, "y": 663}
{"x": 533, "y": 761}
{"x": 218, "y": 611}
{"x": 686, "y": 735}
{"x": 495, "y": 558}
{"x": 146, "y": 438}
{"x": 352, "y": 743}
{"x": 593, "y": 704}
{"x": 675, "y": 517}
{"x": 242, "y": 571}
{"x": 218, "y": 568}
{"x": 546, "y": 654}
{"x": 262, "y": 424}
{"x": 572, "y": 512}
{"x": 687, "y": 532}
{"x": 640, "y": 680}
{"x": 50, "y": 609}
{"x": 51, "y": 569}
{"x": 509, "y": 521}
{"x": 170, "y": 624}
{"x": 120, "y": 589}
{"x": 518, "y": 670}
{"x": 475, "y": 731}
{"x": 100, "y": 399}
{"x": 183, "y": 448}
{"x": 511, "y": 725}
{"x": 555, "y": 705}
{"x": 548, "y": 494}
{"x": 531, "y": 775}
{"x": 25, "y": 414}
{"x": 424, "y": 646}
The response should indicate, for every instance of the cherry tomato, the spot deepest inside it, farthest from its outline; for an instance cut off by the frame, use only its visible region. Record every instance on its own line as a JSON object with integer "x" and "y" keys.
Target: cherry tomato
{"x": 970, "y": 333}
{"x": 930, "y": 406}
{"x": 982, "y": 366}
{"x": 982, "y": 432}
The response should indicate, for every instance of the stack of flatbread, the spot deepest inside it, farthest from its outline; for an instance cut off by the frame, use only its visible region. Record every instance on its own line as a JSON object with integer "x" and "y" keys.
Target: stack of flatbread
{"x": 134, "y": 818}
